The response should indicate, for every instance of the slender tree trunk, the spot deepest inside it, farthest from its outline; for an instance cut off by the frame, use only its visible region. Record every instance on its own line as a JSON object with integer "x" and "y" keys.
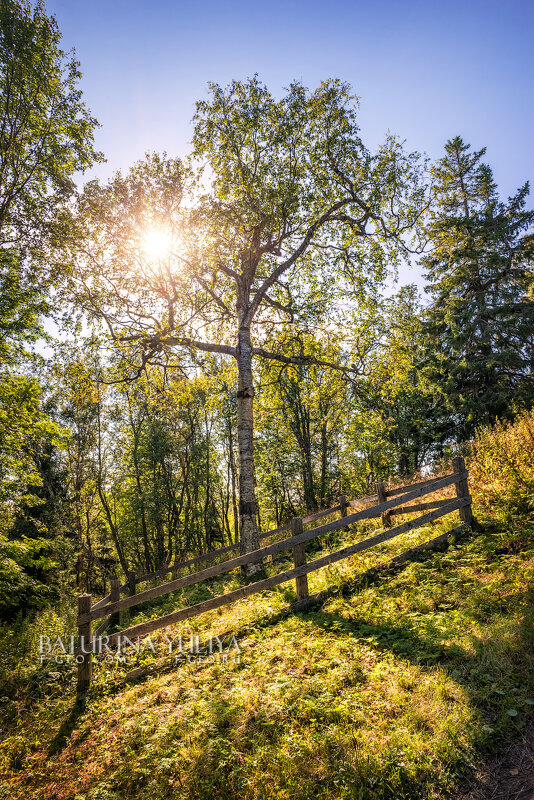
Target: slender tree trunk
{"x": 231, "y": 464}
{"x": 303, "y": 436}
{"x": 324, "y": 463}
{"x": 140, "y": 494}
{"x": 300, "y": 427}
{"x": 104, "y": 501}
{"x": 208, "y": 531}
{"x": 310, "y": 501}
{"x": 161, "y": 556}
{"x": 248, "y": 529}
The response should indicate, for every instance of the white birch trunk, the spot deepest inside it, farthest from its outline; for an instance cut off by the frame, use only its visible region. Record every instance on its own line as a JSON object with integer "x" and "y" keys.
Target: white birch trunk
{"x": 248, "y": 528}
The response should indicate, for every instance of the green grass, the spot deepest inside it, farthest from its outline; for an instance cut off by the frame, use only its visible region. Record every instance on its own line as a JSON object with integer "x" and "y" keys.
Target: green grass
{"x": 391, "y": 689}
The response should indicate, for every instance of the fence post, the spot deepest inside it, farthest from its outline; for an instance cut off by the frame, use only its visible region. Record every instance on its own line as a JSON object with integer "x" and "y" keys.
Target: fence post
{"x": 299, "y": 558}
{"x": 462, "y": 490}
{"x": 85, "y": 665}
{"x": 382, "y": 497}
{"x": 115, "y": 596}
{"x": 344, "y": 505}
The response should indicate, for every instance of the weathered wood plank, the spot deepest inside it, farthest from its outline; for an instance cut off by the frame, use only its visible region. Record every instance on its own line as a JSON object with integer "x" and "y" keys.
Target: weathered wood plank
{"x": 299, "y": 557}
{"x": 102, "y": 602}
{"x": 462, "y": 488}
{"x": 403, "y": 489}
{"x": 272, "y": 549}
{"x": 143, "y": 628}
{"x": 361, "y": 501}
{"x": 420, "y": 507}
{"x": 191, "y": 562}
{"x": 102, "y": 627}
{"x": 323, "y": 512}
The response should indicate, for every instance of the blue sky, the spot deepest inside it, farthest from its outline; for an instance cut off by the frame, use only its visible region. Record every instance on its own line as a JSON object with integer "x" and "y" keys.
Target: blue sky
{"x": 424, "y": 70}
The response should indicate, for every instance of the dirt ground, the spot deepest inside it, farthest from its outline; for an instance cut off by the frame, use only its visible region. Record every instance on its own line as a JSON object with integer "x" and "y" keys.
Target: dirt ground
{"x": 509, "y": 776}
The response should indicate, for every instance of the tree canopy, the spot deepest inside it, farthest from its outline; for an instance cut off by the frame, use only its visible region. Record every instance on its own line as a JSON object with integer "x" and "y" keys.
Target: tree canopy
{"x": 281, "y": 203}
{"x": 236, "y": 353}
{"x": 46, "y": 135}
{"x": 46, "y": 131}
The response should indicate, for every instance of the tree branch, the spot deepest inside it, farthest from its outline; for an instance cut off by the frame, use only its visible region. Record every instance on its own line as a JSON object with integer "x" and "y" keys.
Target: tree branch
{"x": 351, "y": 372}
{"x": 285, "y": 265}
{"x": 209, "y": 347}
{"x": 279, "y": 306}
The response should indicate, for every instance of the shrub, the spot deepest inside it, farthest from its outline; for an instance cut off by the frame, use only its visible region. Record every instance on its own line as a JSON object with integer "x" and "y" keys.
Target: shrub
{"x": 501, "y": 467}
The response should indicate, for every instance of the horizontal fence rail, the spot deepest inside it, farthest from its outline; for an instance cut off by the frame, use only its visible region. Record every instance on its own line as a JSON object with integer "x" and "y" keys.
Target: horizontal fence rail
{"x": 191, "y": 562}
{"x": 402, "y": 489}
{"x": 258, "y": 555}
{"x": 419, "y": 507}
{"x": 111, "y": 605}
{"x": 144, "y": 628}
{"x": 135, "y": 580}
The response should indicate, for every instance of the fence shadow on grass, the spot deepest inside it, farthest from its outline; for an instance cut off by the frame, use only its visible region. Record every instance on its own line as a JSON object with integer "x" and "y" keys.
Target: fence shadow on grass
{"x": 62, "y": 737}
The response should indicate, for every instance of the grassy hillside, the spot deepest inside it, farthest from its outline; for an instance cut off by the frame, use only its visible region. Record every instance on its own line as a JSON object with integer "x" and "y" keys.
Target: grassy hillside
{"x": 394, "y": 687}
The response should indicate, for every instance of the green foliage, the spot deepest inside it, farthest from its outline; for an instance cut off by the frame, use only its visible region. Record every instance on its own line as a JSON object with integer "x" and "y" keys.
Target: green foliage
{"x": 300, "y": 415}
{"x": 46, "y": 132}
{"x": 393, "y": 688}
{"x": 291, "y": 191}
{"x": 479, "y": 326}
{"x": 26, "y": 436}
{"x": 410, "y": 431}
{"x": 24, "y": 431}
{"x": 503, "y": 468}
{"x": 20, "y": 559}
{"x": 282, "y": 164}
{"x": 20, "y": 308}
{"x": 147, "y": 465}
{"x": 280, "y": 211}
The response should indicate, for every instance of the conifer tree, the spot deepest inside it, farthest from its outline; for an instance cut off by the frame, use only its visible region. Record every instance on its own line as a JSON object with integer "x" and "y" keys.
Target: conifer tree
{"x": 480, "y": 324}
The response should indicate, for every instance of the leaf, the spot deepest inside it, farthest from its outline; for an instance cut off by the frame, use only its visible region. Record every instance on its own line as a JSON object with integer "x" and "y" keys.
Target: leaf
{"x": 512, "y": 712}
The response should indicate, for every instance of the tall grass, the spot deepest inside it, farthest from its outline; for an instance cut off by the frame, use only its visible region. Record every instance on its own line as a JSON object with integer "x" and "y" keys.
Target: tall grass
{"x": 501, "y": 468}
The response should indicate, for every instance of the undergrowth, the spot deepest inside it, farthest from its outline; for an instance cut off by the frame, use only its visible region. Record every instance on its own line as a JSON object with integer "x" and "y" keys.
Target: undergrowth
{"x": 392, "y": 688}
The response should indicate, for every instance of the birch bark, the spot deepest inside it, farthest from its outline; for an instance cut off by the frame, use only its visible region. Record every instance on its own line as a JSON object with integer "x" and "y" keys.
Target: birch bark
{"x": 248, "y": 528}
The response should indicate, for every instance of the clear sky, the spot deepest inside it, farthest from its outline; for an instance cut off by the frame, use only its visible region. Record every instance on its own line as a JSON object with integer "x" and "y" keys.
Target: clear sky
{"x": 424, "y": 69}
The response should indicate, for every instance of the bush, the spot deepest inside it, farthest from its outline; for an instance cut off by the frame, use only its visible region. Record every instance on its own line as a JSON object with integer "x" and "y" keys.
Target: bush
{"x": 501, "y": 467}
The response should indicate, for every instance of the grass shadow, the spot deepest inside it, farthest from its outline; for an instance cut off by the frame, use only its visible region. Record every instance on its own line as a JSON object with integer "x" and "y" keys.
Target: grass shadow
{"x": 62, "y": 737}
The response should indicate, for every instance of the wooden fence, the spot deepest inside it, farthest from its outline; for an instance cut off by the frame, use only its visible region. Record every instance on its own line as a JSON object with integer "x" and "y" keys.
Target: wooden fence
{"x": 390, "y": 503}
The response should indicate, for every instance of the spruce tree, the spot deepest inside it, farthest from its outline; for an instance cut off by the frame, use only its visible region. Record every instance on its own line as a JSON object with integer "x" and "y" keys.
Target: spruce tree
{"x": 480, "y": 324}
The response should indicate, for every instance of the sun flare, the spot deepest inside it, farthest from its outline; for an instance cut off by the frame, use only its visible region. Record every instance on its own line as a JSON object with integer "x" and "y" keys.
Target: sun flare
{"x": 156, "y": 243}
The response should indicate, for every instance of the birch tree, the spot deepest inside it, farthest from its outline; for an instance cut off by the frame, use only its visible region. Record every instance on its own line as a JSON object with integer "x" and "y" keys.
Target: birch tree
{"x": 281, "y": 206}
